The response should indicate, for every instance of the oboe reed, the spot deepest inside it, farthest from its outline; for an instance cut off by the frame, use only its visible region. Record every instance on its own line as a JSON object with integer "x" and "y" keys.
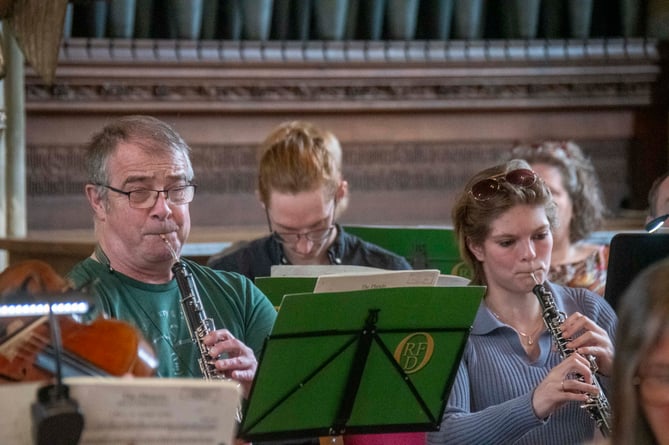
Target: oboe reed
{"x": 534, "y": 278}
{"x": 169, "y": 246}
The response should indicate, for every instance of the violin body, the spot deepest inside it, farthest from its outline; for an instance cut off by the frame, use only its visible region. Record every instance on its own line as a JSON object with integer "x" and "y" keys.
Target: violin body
{"x": 104, "y": 347}
{"x": 114, "y": 346}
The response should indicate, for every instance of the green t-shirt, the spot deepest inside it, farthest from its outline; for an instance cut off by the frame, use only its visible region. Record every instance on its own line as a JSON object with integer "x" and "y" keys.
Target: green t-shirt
{"x": 231, "y": 300}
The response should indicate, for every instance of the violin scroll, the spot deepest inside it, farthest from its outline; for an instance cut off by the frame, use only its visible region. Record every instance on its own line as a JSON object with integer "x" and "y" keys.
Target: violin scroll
{"x": 33, "y": 277}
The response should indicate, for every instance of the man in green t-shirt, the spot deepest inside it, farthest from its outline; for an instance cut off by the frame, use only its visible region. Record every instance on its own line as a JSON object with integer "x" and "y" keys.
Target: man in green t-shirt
{"x": 140, "y": 184}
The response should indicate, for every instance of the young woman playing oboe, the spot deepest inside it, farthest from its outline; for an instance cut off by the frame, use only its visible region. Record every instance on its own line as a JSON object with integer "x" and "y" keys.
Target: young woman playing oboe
{"x": 513, "y": 385}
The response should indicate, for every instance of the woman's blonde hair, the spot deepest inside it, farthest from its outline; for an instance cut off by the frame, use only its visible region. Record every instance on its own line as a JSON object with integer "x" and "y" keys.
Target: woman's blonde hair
{"x": 473, "y": 218}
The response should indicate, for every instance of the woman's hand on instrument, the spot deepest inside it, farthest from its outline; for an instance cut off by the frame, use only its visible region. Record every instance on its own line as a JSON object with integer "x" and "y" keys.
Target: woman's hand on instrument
{"x": 588, "y": 338}
{"x": 561, "y": 386}
{"x": 238, "y": 361}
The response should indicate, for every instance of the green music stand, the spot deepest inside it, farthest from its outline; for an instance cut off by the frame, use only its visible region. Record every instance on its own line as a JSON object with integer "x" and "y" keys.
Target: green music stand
{"x": 275, "y": 288}
{"x": 423, "y": 247}
{"x": 371, "y": 361}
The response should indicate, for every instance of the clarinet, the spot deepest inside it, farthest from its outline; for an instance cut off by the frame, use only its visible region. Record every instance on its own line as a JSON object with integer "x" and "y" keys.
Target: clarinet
{"x": 199, "y": 325}
{"x": 597, "y": 405}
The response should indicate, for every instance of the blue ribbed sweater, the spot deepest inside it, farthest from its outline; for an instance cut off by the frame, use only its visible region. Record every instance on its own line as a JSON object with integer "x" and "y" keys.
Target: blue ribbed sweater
{"x": 490, "y": 402}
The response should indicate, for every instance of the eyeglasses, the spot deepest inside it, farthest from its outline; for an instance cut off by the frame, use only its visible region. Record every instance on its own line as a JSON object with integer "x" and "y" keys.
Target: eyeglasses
{"x": 146, "y": 198}
{"x": 487, "y": 188}
{"x": 654, "y": 388}
{"x": 316, "y": 236}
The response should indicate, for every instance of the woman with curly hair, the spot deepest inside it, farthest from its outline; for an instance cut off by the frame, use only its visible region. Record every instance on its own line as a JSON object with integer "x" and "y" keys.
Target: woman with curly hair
{"x": 573, "y": 182}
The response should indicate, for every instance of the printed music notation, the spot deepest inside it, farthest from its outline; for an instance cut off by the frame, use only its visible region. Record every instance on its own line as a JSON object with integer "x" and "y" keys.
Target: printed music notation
{"x": 400, "y": 278}
{"x": 349, "y": 278}
{"x": 311, "y": 270}
{"x": 140, "y": 410}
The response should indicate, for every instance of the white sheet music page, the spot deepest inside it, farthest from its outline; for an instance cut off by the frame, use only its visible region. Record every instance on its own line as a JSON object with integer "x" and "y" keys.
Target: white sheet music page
{"x": 316, "y": 270}
{"x": 156, "y": 410}
{"x": 452, "y": 280}
{"x": 390, "y": 278}
{"x": 15, "y": 400}
{"x": 133, "y": 411}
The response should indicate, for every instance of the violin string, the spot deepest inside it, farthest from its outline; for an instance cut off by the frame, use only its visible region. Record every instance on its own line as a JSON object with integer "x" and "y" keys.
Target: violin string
{"x": 36, "y": 342}
{"x": 70, "y": 359}
{"x": 29, "y": 348}
{"x": 31, "y": 345}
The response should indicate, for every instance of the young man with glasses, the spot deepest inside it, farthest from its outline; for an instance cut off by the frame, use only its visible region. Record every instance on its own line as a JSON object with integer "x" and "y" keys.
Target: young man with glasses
{"x": 300, "y": 187}
{"x": 140, "y": 186}
{"x": 302, "y": 191}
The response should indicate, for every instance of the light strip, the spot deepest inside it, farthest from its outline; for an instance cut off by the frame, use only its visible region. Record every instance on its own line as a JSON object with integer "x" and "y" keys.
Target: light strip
{"x": 38, "y": 309}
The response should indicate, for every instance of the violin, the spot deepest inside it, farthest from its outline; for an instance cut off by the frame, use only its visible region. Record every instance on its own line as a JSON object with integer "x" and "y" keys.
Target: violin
{"x": 103, "y": 347}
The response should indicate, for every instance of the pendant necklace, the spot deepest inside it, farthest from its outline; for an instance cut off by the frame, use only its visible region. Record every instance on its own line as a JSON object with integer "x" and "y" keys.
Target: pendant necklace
{"x": 530, "y": 338}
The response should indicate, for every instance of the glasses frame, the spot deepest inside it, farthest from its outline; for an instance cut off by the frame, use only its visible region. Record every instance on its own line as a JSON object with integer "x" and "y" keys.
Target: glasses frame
{"x": 165, "y": 192}
{"x": 488, "y": 188}
{"x": 280, "y": 237}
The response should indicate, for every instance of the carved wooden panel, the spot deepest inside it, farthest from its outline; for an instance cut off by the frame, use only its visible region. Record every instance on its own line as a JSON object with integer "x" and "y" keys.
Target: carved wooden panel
{"x": 428, "y": 175}
{"x": 415, "y": 118}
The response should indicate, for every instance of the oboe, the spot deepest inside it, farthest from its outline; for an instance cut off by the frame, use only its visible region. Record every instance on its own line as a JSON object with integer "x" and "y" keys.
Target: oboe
{"x": 199, "y": 325}
{"x": 597, "y": 405}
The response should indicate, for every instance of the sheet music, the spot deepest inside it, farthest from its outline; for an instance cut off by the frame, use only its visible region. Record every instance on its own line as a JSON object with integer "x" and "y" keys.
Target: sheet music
{"x": 291, "y": 270}
{"x": 452, "y": 280}
{"x": 134, "y": 411}
{"x": 15, "y": 412}
{"x": 392, "y": 278}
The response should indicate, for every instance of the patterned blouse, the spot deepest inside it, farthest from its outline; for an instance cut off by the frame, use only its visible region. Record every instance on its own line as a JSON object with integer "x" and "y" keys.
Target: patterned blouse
{"x": 589, "y": 272}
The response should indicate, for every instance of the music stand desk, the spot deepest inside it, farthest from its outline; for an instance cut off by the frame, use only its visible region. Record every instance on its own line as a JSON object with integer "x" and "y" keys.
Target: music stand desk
{"x": 358, "y": 362}
{"x": 629, "y": 254}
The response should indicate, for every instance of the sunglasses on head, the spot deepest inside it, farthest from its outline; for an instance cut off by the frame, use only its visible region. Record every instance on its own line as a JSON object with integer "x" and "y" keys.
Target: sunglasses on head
{"x": 487, "y": 188}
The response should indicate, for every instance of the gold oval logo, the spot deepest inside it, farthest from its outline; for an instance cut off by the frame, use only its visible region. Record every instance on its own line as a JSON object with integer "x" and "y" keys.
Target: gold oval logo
{"x": 414, "y": 351}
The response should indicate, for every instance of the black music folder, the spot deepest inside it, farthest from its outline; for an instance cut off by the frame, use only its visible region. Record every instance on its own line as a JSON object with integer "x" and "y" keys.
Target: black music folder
{"x": 357, "y": 362}
{"x": 629, "y": 254}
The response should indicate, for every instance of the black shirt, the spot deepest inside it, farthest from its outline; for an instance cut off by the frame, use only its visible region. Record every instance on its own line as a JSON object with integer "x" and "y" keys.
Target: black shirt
{"x": 256, "y": 258}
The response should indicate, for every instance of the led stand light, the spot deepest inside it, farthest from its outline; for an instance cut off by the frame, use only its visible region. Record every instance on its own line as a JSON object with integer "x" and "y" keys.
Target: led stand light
{"x": 56, "y": 418}
{"x": 656, "y": 223}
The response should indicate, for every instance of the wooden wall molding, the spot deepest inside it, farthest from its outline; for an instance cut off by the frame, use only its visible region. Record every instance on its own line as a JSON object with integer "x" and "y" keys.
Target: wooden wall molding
{"x": 415, "y": 118}
{"x": 127, "y": 75}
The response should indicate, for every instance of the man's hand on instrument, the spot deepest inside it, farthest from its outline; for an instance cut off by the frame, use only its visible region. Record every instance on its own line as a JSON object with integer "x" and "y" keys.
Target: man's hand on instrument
{"x": 234, "y": 359}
